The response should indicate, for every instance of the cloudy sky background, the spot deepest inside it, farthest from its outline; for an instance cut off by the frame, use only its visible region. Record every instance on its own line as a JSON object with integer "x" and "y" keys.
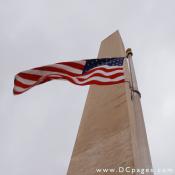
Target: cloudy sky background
{"x": 38, "y": 129}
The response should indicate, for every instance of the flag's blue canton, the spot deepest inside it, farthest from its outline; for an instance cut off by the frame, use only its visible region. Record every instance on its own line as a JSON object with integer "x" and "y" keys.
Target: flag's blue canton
{"x": 90, "y": 64}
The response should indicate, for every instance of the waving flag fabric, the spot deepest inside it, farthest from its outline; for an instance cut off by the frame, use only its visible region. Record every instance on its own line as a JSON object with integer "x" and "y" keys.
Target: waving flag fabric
{"x": 104, "y": 71}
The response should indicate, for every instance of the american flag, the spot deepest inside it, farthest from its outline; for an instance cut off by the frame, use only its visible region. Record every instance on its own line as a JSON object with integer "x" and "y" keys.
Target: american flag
{"x": 103, "y": 71}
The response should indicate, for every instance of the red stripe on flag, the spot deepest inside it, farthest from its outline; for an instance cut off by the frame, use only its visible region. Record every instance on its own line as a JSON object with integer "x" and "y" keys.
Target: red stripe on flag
{"x": 73, "y": 64}
{"x": 102, "y": 75}
{"x": 95, "y": 82}
{"x": 27, "y": 76}
{"x": 87, "y": 83}
{"x": 54, "y": 69}
{"x": 103, "y": 69}
{"x": 20, "y": 84}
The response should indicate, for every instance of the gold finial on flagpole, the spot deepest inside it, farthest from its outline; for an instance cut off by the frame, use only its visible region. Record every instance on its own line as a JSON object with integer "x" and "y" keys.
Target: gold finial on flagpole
{"x": 129, "y": 52}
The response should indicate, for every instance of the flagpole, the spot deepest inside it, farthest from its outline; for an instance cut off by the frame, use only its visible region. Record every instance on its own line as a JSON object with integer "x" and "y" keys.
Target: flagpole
{"x": 142, "y": 152}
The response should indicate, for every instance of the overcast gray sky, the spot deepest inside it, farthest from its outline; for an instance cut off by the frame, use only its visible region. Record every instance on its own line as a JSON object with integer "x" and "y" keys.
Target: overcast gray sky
{"x": 38, "y": 129}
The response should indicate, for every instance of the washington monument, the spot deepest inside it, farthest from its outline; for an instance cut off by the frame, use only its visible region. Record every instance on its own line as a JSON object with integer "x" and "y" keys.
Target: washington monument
{"x": 112, "y": 131}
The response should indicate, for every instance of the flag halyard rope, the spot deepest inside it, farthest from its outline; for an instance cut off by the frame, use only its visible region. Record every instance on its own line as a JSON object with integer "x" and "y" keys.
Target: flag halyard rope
{"x": 129, "y": 55}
